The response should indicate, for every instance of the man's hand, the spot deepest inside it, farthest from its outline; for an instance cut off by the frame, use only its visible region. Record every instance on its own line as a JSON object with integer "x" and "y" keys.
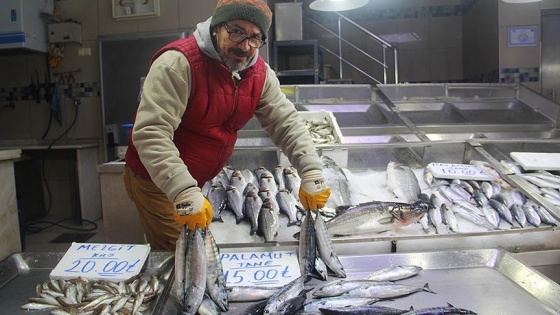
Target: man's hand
{"x": 192, "y": 209}
{"x": 313, "y": 192}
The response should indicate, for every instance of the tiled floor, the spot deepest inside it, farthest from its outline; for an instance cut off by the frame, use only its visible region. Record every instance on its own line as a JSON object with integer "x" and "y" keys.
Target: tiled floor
{"x": 41, "y": 241}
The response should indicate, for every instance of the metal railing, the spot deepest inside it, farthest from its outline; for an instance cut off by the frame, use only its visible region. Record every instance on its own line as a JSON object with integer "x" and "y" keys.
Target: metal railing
{"x": 385, "y": 46}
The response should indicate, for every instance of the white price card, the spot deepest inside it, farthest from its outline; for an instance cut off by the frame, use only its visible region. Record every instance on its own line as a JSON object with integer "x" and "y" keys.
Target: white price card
{"x": 272, "y": 269}
{"x": 535, "y": 161}
{"x": 459, "y": 171}
{"x": 115, "y": 262}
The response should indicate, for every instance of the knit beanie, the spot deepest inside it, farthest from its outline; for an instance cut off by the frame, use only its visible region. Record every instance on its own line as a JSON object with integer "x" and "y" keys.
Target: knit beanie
{"x": 254, "y": 11}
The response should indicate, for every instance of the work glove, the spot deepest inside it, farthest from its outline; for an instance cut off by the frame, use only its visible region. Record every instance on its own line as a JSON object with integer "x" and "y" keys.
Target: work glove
{"x": 313, "y": 191}
{"x": 192, "y": 209}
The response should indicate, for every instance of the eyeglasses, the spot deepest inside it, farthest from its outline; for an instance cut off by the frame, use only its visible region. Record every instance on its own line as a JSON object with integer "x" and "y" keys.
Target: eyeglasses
{"x": 238, "y": 37}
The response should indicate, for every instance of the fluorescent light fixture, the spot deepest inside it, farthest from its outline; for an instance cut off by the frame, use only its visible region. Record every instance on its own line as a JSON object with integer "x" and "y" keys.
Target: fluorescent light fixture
{"x": 337, "y": 5}
{"x": 520, "y": 1}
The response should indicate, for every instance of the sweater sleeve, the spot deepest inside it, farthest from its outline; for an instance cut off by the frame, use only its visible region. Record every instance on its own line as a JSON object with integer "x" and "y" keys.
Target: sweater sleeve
{"x": 164, "y": 101}
{"x": 280, "y": 119}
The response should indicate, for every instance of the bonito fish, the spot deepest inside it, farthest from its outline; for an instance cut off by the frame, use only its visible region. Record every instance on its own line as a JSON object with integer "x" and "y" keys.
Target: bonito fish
{"x": 376, "y": 217}
{"x": 402, "y": 182}
{"x": 394, "y": 273}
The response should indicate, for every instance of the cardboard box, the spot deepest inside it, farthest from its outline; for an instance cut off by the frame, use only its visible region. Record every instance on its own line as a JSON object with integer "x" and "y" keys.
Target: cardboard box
{"x": 339, "y": 155}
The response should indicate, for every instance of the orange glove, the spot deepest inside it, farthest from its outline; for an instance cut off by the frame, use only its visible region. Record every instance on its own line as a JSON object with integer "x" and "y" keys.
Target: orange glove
{"x": 313, "y": 191}
{"x": 192, "y": 209}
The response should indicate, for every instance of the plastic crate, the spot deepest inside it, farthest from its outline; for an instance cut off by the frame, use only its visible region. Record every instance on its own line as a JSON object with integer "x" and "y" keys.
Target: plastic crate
{"x": 338, "y": 155}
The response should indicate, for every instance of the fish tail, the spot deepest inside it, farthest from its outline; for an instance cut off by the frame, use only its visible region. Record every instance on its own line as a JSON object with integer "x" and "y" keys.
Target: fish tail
{"x": 427, "y": 289}
{"x": 218, "y": 219}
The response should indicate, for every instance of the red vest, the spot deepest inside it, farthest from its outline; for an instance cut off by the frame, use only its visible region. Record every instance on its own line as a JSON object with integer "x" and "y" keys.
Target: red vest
{"x": 216, "y": 110}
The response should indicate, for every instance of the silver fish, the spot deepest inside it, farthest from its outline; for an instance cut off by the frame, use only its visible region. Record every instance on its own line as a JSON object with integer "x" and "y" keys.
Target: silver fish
{"x": 474, "y": 217}
{"x": 208, "y": 307}
{"x": 386, "y": 290}
{"x": 223, "y": 178}
{"x": 269, "y": 223}
{"x": 402, "y": 182}
{"x": 362, "y": 309}
{"x": 249, "y": 177}
{"x": 491, "y": 215}
{"x": 325, "y": 248}
{"x": 266, "y": 193}
{"x": 238, "y": 180}
{"x": 424, "y": 222}
{"x": 518, "y": 214}
{"x": 180, "y": 252}
{"x": 376, "y": 217}
{"x": 337, "y": 181}
{"x": 288, "y": 291}
{"x": 278, "y": 174}
{"x": 218, "y": 199}
{"x": 502, "y": 209}
{"x": 435, "y": 217}
{"x": 307, "y": 246}
{"x": 443, "y": 310}
{"x": 215, "y": 280}
{"x": 339, "y": 287}
{"x": 235, "y": 202}
{"x": 250, "y": 293}
{"x": 288, "y": 205}
{"x": 251, "y": 209}
{"x": 314, "y": 305}
{"x": 532, "y": 215}
{"x": 195, "y": 271}
{"x": 449, "y": 218}
{"x": 546, "y": 218}
{"x": 268, "y": 181}
{"x": 394, "y": 273}
{"x": 292, "y": 181}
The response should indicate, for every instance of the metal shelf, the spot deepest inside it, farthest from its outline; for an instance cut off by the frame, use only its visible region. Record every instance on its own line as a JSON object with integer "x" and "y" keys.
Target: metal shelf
{"x": 298, "y": 61}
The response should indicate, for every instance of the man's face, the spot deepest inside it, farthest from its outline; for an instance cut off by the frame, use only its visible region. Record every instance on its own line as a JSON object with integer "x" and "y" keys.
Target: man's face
{"x": 236, "y": 55}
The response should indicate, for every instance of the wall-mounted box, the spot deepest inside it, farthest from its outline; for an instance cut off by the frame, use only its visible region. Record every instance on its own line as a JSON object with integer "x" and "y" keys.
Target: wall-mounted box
{"x": 130, "y": 9}
{"x": 67, "y": 32}
{"x": 288, "y": 21}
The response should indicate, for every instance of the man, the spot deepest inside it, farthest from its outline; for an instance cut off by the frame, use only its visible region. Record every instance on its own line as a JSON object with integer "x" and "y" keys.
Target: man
{"x": 198, "y": 93}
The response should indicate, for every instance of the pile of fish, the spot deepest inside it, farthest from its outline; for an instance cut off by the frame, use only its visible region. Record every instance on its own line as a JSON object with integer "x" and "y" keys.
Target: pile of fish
{"x": 360, "y": 296}
{"x": 200, "y": 285}
{"x": 321, "y": 130}
{"x": 543, "y": 183}
{"x": 492, "y": 205}
{"x": 83, "y": 296}
{"x": 258, "y": 197}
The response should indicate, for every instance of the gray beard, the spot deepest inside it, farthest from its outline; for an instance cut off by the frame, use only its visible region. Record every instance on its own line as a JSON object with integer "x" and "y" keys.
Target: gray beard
{"x": 234, "y": 66}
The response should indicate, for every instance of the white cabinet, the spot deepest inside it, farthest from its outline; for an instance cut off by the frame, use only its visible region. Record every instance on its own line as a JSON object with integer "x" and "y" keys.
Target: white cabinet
{"x": 129, "y": 9}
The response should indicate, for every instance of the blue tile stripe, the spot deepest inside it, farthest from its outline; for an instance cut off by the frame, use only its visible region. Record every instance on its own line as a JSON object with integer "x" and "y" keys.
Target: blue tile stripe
{"x": 12, "y": 38}
{"x": 80, "y": 90}
{"x": 517, "y": 75}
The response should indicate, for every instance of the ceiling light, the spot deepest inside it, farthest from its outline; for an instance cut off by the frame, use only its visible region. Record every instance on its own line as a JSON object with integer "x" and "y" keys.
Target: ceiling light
{"x": 337, "y": 5}
{"x": 520, "y": 1}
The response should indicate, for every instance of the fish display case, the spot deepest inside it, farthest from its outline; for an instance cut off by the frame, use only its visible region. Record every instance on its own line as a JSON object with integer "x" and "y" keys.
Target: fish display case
{"x": 415, "y": 125}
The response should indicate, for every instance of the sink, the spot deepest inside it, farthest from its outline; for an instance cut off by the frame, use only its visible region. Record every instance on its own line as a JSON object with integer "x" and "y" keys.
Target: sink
{"x": 500, "y": 112}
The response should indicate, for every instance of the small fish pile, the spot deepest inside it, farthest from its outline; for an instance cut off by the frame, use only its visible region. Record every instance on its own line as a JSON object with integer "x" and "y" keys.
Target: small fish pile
{"x": 321, "y": 130}
{"x": 492, "y": 205}
{"x": 200, "y": 285}
{"x": 258, "y": 197}
{"x": 83, "y": 296}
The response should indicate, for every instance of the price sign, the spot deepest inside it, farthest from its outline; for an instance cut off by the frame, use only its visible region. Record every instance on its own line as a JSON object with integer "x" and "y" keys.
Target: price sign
{"x": 459, "y": 171}
{"x": 273, "y": 269}
{"x": 115, "y": 262}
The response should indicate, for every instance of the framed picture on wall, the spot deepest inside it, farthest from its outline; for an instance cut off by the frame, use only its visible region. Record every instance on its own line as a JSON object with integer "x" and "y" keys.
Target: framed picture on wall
{"x": 521, "y": 36}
